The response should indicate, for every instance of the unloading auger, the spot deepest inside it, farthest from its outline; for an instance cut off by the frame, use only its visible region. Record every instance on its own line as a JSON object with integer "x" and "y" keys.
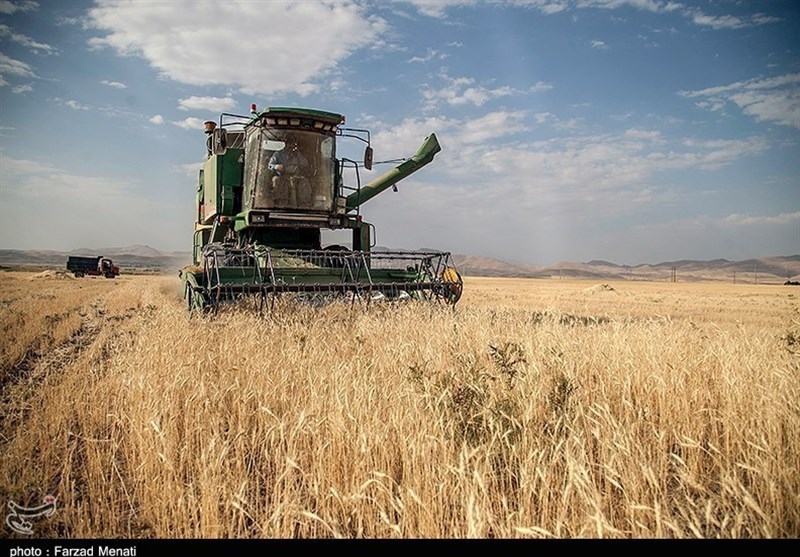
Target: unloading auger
{"x": 270, "y": 184}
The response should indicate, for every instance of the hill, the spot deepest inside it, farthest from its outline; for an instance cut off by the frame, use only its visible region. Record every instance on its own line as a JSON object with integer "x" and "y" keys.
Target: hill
{"x": 763, "y": 270}
{"x": 135, "y": 258}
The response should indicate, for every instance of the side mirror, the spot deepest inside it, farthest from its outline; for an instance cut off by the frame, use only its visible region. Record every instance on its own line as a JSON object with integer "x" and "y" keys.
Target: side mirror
{"x": 368, "y": 158}
{"x": 220, "y": 141}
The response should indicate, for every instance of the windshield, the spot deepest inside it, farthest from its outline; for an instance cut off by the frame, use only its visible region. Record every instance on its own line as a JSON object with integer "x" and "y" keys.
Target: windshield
{"x": 289, "y": 169}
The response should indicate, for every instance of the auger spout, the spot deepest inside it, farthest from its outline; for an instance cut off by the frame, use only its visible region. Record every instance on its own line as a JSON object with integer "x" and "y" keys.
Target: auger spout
{"x": 423, "y": 156}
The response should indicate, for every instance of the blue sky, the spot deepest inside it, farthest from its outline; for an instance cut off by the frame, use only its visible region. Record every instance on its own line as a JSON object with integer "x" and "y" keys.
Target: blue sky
{"x": 634, "y": 131}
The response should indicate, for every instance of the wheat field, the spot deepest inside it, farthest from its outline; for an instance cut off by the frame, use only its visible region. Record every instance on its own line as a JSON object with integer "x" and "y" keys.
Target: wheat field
{"x": 535, "y": 408}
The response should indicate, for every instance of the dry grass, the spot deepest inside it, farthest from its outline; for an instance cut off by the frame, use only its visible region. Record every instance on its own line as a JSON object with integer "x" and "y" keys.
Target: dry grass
{"x": 536, "y": 409}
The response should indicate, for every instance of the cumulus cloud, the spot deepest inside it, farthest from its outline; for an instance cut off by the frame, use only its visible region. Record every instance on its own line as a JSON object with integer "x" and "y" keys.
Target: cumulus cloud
{"x": 157, "y": 119}
{"x": 465, "y": 91}
{"x": 541, "y": 195}
{"x": 189, "y": 123}
{"x": 212, "y": 104}
{"x": 253, "y": 55}
{"x": 775, "y": 99}
{"x": 595, "y": 176}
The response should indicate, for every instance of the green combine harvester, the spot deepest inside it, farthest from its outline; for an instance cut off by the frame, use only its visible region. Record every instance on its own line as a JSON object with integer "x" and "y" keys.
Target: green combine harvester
{"x": 270, "y": 184}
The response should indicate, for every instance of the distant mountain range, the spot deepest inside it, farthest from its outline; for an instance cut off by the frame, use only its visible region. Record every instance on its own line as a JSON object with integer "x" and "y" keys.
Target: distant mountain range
{"x": 764, "y": 270}
{"x": 138, "y": 257}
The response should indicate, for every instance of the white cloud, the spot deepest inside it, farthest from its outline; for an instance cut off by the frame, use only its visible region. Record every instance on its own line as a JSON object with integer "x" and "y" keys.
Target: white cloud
{"x": 114, "y": 84}
{"x": 212, "y": 104}
{"x": 647, "y": 5}
{"x": 550, "y": 7}
{"x": 7, "y": 7}
{"x": 595, "y": 176}
{"x": 775, "y": 99}
{"x": 782, "y": 107}
{"x": 189, "y": 124}
{"x": 599, "y": 44}
{"x": 541, "y": 87}
{"x": 464, "y": 90}
{"x": 24, "y": 40}
{"x": 695, "y": 15}
{"x": 15, "y": 168}
{"x": 430, "y": 55}
{"x": 762, "y": 19}
{"x": 157, "y": 119}
{"x": 570, "y": 125}
{"x": 580, "y": 162}
{"x": 542, "y": 195}
{"x": 189, "y": 170}
{"x": 75, "y": 105}
{"x": 399, "y": 140}
{"x": 20, "y": 89}
{"x": 10, "y": 66}
{"x": 737, "y": 219}
{"x": 728, "y": 21}
{"x": 438, "y": 8}
{"x": 258, "y": 57}
{"x": 717, "y": 22}
{"x": 499, "y": 124}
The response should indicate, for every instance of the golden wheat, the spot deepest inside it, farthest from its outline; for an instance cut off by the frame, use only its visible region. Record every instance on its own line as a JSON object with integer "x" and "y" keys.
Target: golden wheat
{"x": 535, "y": 409}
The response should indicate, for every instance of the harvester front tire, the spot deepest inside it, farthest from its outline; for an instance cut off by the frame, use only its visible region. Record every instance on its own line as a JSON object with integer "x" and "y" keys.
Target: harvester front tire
{"x": 454, "y": 286}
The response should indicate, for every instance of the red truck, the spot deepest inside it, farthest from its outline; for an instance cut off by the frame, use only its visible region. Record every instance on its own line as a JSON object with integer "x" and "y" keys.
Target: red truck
{"x": 96, "y": 266}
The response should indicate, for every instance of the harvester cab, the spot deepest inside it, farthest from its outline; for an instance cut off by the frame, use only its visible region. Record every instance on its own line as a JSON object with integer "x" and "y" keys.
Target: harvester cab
{"x": 270, "y": 185}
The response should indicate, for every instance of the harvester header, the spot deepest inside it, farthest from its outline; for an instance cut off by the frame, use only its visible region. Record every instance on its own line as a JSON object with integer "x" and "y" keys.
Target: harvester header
{"x": 271, "y": 183}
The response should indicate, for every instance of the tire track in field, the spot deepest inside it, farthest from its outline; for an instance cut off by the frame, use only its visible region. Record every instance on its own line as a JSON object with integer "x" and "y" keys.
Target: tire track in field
{"x": 20, "y": 383}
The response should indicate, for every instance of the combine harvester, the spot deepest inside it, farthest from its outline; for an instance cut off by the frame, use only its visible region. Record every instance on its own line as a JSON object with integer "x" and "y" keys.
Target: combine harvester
{"x": 271, "y": 183}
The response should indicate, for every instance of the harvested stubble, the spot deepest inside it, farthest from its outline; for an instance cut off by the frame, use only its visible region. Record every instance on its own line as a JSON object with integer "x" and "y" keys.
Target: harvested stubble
{"x": 533, "y": 409}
